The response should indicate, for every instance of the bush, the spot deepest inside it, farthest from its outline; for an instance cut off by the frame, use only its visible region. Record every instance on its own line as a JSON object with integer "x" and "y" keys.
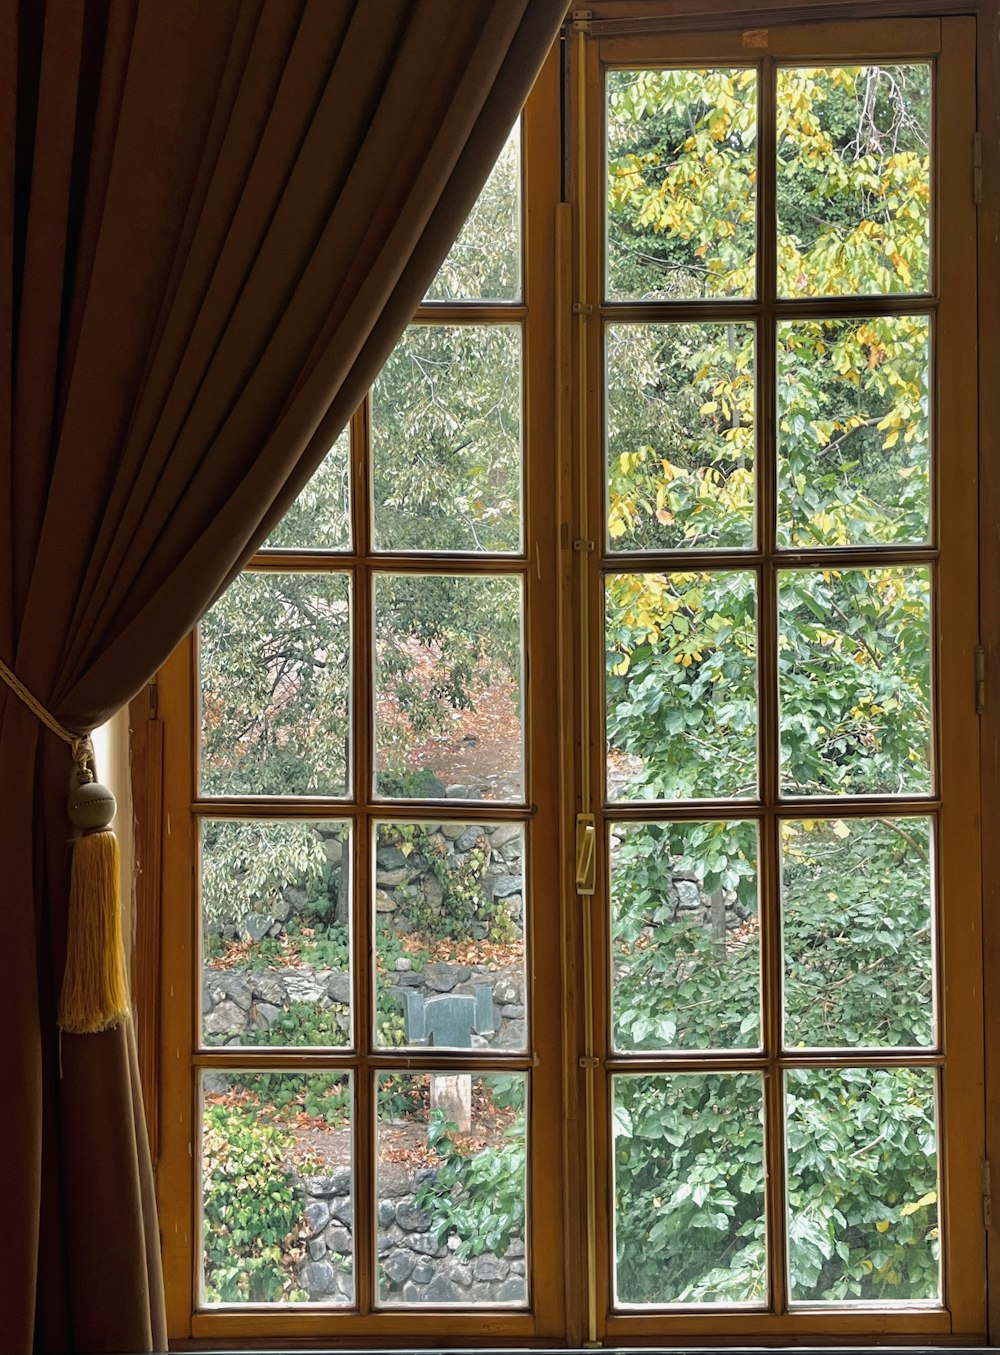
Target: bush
{"x": 251, "y": 1210}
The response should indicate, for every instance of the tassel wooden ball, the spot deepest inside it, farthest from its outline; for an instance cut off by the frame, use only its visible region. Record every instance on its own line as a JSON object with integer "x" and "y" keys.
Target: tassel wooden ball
{"x": 91, "y": 806}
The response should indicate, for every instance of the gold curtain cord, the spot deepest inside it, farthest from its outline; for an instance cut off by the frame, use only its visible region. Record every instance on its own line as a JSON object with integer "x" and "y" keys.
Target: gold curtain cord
{"x": 80, "y": 744}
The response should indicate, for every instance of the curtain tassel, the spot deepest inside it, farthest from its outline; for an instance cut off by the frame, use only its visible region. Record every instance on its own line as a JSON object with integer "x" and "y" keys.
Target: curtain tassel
{"x": 95, "y": 990}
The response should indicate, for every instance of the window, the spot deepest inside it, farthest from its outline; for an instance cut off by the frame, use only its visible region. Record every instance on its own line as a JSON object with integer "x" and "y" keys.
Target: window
{"x": 572, "y": 887}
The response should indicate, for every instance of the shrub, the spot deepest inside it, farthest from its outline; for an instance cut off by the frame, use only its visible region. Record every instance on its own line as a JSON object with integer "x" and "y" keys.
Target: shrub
{"x": 251, "y": 1210}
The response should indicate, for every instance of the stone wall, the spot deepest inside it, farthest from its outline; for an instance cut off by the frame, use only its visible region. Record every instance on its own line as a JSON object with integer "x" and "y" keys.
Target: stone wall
{"x": 412, "y": 1267}
{"x": 407, "y": 887}
{"x": 239, "y": 1000}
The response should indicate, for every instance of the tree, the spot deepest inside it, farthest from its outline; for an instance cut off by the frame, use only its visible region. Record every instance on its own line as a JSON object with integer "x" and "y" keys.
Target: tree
{"x": 854, "y": 677}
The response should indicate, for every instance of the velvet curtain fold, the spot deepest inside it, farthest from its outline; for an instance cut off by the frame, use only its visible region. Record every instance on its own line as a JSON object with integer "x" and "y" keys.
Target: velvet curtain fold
{"x": 216, "y": 217}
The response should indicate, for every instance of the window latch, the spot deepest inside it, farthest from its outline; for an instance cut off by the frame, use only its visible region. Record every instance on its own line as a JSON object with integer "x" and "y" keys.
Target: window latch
{"x": 586, "y": 845}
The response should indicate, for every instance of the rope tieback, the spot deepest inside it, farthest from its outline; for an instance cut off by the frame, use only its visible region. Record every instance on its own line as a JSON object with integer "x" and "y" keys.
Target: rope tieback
{"x": 95, "y": 989}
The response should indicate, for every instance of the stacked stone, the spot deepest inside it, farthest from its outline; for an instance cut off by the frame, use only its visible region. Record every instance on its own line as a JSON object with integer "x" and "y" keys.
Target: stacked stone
{"x": 412, "y": 1267}
{"x": 238, "y": 1000}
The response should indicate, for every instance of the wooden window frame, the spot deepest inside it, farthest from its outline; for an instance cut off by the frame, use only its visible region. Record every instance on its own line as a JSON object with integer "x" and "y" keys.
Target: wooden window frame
{"x": 565, "y": 1320}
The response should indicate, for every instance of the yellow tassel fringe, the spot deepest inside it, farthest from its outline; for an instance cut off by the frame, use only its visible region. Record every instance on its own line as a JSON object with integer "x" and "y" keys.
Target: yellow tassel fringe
{"x": 95, "y": 990}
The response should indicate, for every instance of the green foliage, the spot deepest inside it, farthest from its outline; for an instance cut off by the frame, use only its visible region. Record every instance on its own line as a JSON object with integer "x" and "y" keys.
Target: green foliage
{"x": 246, "y": 865}
{"x": 324, "y": 1096}
{"x": 477, "y": 1198}
{"x": 251, "y": 1210}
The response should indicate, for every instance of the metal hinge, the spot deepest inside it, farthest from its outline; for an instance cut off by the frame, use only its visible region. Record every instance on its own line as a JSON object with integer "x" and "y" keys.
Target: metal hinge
{"x": 986, "y": 1181}
{"x": 980, "y": 680}
{"x": 579, "y": 20}
{"x": 977, "y": 168}
{"x": 153, "y": 692}
{"x": 586, "y": 851}
{"x": 582, "y": 308}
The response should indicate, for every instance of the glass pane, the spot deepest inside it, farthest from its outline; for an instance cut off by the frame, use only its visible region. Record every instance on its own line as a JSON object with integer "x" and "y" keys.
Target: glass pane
{"x": 689, "y": 1188}
{"x": 685, "y": 949}
{"x": 449, "y": 913}
{"x": 680, "y": 401}
{"x": 446, "y": 440}
{"x": 856, "y": 908}
{"x": 448, "y": 687}
{"x": 854, "y": 180}
{"x": 320, "y": 518}
{"x": 452, "y": 1189}
{"x": 275, "y": 663}
{"x": 484, "y": 263}
{"x": 862, "y": 1184}
{"x": 854, "y": 675}
{"x": 854, "y": 431}
{"x": 681, "y": 685}
{"x": 276, "y": 932}
{"x": 277, "y": 1157}
{"x": 682, "y": 175}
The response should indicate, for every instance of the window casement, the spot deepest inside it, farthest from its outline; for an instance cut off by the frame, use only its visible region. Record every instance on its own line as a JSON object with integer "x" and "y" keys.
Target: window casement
{"x": 572, "y": 875}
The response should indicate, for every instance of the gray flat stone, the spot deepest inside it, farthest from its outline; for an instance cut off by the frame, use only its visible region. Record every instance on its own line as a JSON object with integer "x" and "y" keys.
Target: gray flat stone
{"x": 342, "y": 1209}
{"x": 317, "y": 1216}
{"x": 490, "y": 1267}
{"x": 235, "y": 986}
{"x": 458, "y": 1271}
{"x": 337, "y": 1184}
{"x": 393, "y": 1180}
{"x": 512, "y": 1035}
{"x": 225, "y": 1019}
{"x": 504, "y": 833}
{"x": 269, "y": 988}
{"x": 338, "y": 987}
{"x": 338, "y": 1240}
{"x": 412, "y": 1219}
{"x": 506, "y": 885}
{"x": 317, "y": 1278}
{"x": 513, "y": 1290}
{"x": 386, "y": 1213}
{"x": 399, "y": 1264}
{"x": 307, "y": 985}
{"x": 423, "y": 1271}
{"x": 317, "y": 1248}
{"x": 264, "y": 1014}
{"x": 442, "y": 1290}
{"x": 392, "y": 1237}
{"x": 389, "y": 879}
{"x": 441, "y": 977}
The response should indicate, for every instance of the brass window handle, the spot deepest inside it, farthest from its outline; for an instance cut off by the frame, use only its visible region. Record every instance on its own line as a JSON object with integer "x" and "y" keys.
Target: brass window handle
{"x": 586, "y": 850}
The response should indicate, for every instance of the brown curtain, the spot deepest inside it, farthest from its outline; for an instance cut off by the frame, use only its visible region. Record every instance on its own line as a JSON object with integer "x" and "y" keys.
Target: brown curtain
{"x": 216, "y": 216}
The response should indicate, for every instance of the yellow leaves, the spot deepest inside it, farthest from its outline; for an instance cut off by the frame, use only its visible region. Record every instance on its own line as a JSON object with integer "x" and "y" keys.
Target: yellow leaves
{"x": 622, "y": 667}
{"x": 709, "y": 407}
{"x": 882, "y": 1226}
{"x": 924, "y": 1202}
{"x": 840, "y": 829}
{"x": 618, "y": 522}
